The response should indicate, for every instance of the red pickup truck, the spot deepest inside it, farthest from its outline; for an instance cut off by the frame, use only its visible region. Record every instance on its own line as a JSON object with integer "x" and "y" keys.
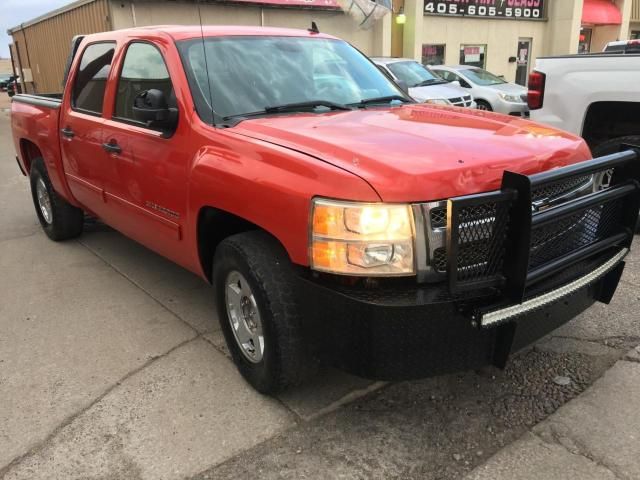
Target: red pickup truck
{"x": 337, "y": 219}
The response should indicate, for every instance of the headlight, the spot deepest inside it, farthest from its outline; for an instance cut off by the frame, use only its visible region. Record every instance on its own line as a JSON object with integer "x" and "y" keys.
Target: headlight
{"x": 510, "y": 98}
{"x": 367, "y": 239}
{"x": 438, "y": 101}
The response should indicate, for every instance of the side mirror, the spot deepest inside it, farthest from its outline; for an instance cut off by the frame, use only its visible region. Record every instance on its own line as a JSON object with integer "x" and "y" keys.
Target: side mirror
{"x": 403, "y": 86}
{"x": 456, "y": 83}
{"x": 151, "y": 108}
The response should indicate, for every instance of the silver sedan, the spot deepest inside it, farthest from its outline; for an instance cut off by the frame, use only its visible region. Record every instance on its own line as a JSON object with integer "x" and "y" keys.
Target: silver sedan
{"x": 490, "y": 91}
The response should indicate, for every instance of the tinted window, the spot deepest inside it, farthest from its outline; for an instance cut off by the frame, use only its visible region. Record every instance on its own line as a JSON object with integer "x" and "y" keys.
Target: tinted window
{"x": 143, "y": 69}
{"x": 91, "y": 81}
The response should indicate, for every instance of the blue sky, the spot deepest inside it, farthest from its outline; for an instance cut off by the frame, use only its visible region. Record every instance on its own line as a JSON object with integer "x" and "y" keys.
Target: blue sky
{"x": 14, "y": 12}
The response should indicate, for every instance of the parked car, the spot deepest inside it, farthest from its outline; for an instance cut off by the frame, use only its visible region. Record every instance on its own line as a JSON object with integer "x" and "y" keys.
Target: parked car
{"x": 595, "y": 96}
{"x": 5, "y": 79}
{"x": 337, "y": 221}
{"x": 490, "y": 91}
{"x": 13, "y": 86}
{"x": 424, "y": 85}
{"x": 622, "y": 46}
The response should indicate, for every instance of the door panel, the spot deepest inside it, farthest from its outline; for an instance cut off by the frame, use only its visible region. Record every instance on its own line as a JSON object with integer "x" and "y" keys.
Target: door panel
{"x": 81, "y": 127}
{"x": 146, "y": 181}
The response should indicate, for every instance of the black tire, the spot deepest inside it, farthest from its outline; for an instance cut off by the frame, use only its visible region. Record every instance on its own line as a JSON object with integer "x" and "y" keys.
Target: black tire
{"x": 266, "y": 267}
{"x": 66, "y": 220}
{"x": 613, "y": 146}
{"x": 484, "y": 105}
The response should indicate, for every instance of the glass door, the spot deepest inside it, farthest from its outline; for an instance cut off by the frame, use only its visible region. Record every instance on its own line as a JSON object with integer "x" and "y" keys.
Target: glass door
{"x": 523, "y": 56}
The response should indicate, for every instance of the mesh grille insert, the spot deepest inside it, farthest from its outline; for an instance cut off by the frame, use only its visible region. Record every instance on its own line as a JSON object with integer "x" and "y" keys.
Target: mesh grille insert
{"x": 481, "y": 242}
{"x": 560, "y": 188}
{"x": 576, "y": 231}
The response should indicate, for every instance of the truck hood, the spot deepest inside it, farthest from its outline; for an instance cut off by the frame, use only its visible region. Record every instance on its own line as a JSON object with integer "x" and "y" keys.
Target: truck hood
{"x": 443, "y": 90}
{"x": 417, "y": 153}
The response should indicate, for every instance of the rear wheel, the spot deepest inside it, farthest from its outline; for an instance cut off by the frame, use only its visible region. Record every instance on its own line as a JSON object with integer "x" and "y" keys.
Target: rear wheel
{"x": 612, "y": 146}
{"x": 59, "y": 219}
{"x": 256, "y": 300}
{"x": 484, "y": 105}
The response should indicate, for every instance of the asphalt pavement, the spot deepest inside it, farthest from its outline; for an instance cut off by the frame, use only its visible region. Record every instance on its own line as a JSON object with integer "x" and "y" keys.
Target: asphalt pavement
{"x": 112, "y": 366}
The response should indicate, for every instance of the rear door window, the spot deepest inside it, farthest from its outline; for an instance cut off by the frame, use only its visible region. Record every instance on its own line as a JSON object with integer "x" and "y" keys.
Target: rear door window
{"x": 91, "y": 80}
{"x": 143, "y": 69}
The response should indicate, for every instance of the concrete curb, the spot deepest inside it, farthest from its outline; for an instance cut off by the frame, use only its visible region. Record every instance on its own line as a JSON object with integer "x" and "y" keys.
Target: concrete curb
{"x": 594, "y": 436}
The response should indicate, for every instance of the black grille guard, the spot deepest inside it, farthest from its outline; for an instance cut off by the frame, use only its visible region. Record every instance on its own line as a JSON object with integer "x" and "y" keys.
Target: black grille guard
{"x": 592, "y": 223}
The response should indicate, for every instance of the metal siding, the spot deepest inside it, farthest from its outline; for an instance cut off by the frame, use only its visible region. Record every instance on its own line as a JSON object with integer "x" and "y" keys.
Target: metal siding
{"x": 47, "y": 42}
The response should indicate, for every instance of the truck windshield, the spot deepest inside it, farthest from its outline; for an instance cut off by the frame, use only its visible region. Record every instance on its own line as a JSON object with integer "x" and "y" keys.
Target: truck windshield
{"x": 233, "y": 76}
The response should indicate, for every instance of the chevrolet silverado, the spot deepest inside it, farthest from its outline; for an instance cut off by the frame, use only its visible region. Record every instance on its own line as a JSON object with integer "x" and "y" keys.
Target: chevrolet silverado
{"x": 336, "y": 219}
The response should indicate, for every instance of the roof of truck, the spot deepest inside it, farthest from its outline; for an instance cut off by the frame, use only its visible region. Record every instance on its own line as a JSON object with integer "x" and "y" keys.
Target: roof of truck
{"x": 185, "y": 32}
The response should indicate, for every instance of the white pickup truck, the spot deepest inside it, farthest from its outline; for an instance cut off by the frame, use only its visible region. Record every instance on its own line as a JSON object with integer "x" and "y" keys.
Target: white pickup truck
{"x": 594, "y": 96}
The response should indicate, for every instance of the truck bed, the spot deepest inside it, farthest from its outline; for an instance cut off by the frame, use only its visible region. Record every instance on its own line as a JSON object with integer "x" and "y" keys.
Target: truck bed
{"x": 47, "y": 100}
{"x": 35, "y": 121}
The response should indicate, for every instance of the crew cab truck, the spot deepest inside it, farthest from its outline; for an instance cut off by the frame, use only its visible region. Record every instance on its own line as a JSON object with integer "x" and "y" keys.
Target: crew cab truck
{"x": 337, "y": 219}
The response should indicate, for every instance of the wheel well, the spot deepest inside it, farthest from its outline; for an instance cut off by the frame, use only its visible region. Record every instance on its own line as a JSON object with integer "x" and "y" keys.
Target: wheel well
{"x": 29, "y": 152}
{"x": 607, "y": 120}
{"x": 214, "y": 225}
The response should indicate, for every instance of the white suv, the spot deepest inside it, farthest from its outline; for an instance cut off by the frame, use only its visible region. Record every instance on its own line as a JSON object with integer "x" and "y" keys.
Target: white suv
{"x": 424, "y": 85}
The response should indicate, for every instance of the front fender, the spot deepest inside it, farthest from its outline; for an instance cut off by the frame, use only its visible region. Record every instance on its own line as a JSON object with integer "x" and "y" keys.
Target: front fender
{"x": 268, "y": 185}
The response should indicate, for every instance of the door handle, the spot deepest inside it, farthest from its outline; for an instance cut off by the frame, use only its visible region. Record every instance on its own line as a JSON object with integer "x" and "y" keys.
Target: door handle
{"x": 67, "y": 132}
{"x": 111, "y": 147}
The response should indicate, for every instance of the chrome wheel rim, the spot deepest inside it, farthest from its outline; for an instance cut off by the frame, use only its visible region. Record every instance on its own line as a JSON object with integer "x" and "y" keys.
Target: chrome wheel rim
{"x": 244, "y": 317}
{"x": 44, "y": 201}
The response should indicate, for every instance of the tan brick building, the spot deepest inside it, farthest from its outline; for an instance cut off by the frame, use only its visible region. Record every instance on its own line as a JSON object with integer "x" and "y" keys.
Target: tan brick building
{"x": 504, "y": 36}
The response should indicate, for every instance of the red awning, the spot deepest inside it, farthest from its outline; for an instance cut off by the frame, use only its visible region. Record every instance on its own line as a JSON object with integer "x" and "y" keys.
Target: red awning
{"x": 600, "y": 12}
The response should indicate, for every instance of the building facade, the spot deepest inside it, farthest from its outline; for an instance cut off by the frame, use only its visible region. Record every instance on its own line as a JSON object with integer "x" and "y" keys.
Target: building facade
{"x": 503, "y": 36}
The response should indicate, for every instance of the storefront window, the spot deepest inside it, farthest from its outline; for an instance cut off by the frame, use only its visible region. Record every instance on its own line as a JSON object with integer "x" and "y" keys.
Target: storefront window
{"x": 635, "y": 35}
{"x": 474, "y": 55}
{"x": 433, "y": 54}
{"x": 585, "y": 40}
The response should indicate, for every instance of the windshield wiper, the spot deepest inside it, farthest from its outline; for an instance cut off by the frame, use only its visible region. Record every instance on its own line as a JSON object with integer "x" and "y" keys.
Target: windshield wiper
{"x": 311, "y": 104}
{"x": 289, "y": 107}
{"x": 387, "y": 99}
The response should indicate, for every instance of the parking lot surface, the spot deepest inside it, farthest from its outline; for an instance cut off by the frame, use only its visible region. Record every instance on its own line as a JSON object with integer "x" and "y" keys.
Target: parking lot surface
{"x": 112, "y": 365}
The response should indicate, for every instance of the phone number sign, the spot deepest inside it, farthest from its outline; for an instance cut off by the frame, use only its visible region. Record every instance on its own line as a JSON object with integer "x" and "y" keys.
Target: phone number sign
{"x": 516, "y": 9}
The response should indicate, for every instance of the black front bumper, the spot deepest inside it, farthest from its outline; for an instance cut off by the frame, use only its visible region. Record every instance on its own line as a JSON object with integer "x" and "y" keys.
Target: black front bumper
{"x": 409, "y": 332}
{"x": 517, "y": 268}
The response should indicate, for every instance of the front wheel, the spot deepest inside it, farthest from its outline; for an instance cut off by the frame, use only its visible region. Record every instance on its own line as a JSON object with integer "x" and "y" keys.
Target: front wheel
{"x": 256, "y": 300}
{"x": 59, "y": 219}
{"x": 483, "y": 105}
